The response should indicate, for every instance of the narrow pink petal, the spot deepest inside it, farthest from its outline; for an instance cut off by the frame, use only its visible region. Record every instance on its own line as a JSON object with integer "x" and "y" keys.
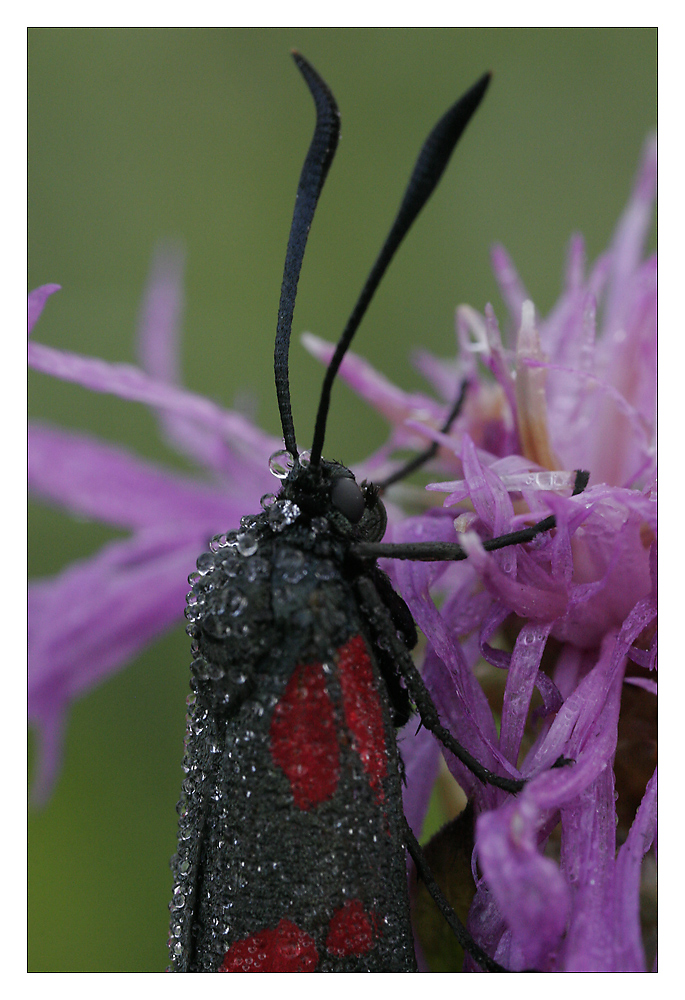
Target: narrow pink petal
{"x": 585, "y": 728}
{"x": 608, "y": 465}
{"x": 488, "y": 413}
{"x": 421, "y": 755}
{"x": 628, "y": 243}
{"x": 521, "y": 678}
{"x": 525, "y": 600}
{"x": 627, "y": 360}
{"x": 610, "y": 554}
{"x": 624, "y": 914}
{"x": 106, "y": 483}
{"x": 588, "y": 855}
{"x": 531, "y": 892}
{"x": 510, "y": 840}
{"x": 510, "y": 285}
{"x": 641, "y": 682}
{"x": 159, "y": 334}
{"x": 50, "y": 733}
{"x": 91, "y": 619}
{"x": 497, "y": 363}
{"x": 37, "y": 299}
{"x": 129, "y": 382}
{"x": 375, "y": 388}
{"x": 159, "y": 326}
{"x": 439, "y": 373}
{"x": 469, "y": 717}
{"x": 575, "y": 263}
{"x": 488, "y": 495}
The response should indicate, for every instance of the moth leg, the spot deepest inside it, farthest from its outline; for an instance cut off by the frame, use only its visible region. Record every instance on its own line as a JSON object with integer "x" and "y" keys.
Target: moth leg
{"x": 381, "y": 619}
{"x": 460, "y": 932}
{"x": 432, "y": 449}
{"x": 396, "y": 605}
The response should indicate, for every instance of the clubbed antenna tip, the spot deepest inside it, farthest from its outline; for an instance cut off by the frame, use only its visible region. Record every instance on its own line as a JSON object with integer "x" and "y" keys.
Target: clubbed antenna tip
{"x": 430, "y": 165}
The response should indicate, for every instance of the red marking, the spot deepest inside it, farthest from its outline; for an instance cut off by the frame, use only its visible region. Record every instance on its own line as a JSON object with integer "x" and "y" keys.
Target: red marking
{"x": 284, "y": 948}
{"x": 351, "y": 931}
{"x": 304, "y": 741}
{"x": 363, "y": 712}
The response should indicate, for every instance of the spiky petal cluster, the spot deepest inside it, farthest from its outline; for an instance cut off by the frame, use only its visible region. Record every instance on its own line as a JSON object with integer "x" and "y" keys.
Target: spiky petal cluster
{"x": 95, "y": 616}
{"x": 575, "y": 390}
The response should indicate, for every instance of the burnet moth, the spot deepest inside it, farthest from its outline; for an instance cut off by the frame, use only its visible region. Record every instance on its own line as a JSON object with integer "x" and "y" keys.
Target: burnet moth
{"x": 292, "y": 838}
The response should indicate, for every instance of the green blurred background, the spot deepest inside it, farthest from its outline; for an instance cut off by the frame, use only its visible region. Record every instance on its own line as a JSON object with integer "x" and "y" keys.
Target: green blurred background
{"x": 200, "y": 134}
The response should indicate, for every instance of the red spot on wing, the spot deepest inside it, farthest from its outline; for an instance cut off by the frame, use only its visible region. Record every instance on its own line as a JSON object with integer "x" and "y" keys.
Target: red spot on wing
{"x": 363, "y": 711}
{"x": 304, "y": 742}
{"x": 351, "y": 931}
{"x": 284, "y": 948}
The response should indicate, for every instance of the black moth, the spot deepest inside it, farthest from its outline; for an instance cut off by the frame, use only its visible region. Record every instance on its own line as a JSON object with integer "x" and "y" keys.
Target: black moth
{"x": 291, "y": 849}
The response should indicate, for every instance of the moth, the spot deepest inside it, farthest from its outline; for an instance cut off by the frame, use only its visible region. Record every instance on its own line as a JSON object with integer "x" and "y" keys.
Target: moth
{"x": 292, "y": 840}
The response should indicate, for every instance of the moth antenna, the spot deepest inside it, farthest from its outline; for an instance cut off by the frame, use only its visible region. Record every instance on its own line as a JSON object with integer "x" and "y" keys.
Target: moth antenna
{"x": 430, "y": 165}
{"x": 319, "y": 158}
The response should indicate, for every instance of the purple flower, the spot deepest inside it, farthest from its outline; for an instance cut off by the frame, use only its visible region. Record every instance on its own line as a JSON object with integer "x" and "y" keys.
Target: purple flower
{"x": 576, "y": 390}
{"x": 95, "y": 616}
{"x": 563, "y": 628}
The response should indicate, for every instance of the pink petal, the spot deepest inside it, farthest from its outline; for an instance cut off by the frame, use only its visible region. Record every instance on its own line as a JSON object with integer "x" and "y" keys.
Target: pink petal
{"x": 159, "y": 334}
{"x": 89, "y": 621}
{"x": 629, "y": 240}
{"x": 510, "y": 285}
{"x": 159, "y": 326}
{"x": 588, "y": 854}
{"x": 375, "y": 388}
{"x": 624, "y": 913}
{"x": 129, "y": 382}
{"x": 521, "y": 678}
{"x": 421, "y": 755}
{"x": 525, "y": 600}
{"x": 531, "y": 892}
{"x": 37, "y": 299}
{"x": 100, "y": 481}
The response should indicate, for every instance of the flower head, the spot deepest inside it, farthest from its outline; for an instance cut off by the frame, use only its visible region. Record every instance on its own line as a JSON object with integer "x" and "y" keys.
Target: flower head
{"x": 567, "y": 622}
{"x": 575, "y": 390}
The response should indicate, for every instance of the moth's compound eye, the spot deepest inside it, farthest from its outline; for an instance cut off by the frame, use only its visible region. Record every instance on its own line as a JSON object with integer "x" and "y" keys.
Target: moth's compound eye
{"x": 347, "y": 497}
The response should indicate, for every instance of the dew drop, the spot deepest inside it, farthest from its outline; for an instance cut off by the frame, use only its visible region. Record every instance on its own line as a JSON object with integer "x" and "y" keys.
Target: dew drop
{"x": 218, "y": 542}
{"x": 198, "y": 667}
{"x": 205, "y": 563}
{"x": 280, "y": 464}
{"x": 214, "y": 672}
{"x": 246, "y": 543}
